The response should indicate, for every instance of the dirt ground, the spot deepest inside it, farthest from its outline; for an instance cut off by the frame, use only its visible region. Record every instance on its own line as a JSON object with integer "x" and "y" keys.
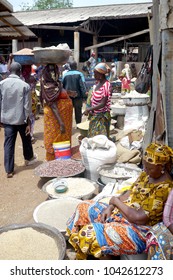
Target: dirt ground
{"x": 20, "y": 195}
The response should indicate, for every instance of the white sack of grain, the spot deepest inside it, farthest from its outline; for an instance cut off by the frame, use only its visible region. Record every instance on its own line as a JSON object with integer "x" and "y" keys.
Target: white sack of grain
{"x": 96, "y": 152}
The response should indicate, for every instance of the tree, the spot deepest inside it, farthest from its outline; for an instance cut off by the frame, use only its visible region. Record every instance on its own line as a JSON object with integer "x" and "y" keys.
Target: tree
{"x": 47, "y": 5}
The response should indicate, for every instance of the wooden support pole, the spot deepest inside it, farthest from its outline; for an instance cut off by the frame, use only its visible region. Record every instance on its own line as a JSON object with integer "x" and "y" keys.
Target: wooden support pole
{"x": 76, "y": 46}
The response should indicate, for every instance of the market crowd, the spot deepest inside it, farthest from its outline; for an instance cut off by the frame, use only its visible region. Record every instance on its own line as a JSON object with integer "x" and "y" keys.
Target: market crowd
{"x": 139, "y": 220}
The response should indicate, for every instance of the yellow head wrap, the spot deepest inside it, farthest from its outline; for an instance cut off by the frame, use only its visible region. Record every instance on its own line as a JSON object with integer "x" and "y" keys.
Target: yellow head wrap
{"x": 158, "y": 154}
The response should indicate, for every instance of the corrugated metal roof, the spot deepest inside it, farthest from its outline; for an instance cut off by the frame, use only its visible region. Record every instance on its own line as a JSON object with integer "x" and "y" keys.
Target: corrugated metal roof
{"x": 10, "y": 26}
{"x": 71, "y": 15}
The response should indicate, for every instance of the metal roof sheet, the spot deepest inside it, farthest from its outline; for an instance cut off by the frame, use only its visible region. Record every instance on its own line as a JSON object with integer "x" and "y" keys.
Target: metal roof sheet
{"x": 5, "y": 6}
{"x": 10, "y": 26}
{"x": 78, "y": 14}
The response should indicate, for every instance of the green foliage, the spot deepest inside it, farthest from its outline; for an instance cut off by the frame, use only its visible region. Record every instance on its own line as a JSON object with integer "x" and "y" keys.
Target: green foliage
{"x": 47, "y": 4}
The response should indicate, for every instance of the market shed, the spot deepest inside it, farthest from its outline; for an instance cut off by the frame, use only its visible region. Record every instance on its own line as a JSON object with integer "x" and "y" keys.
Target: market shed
{"x": 11, "y": 28}
{"x": 106, "y": 29}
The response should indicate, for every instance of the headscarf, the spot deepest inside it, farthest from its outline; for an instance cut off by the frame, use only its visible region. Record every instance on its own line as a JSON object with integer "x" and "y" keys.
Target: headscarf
{"x": 50, "y": 85}
{"x": 102, "y": 68}
{"x": 158, "y": 154}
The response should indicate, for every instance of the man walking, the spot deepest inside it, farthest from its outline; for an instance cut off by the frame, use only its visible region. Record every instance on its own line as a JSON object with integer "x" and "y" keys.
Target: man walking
{"x": 74, "y": 82}
{"x": 15, "y": 107}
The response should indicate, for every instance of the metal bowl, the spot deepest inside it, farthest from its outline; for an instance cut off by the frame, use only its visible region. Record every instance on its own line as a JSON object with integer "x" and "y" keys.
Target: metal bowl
{"x": 56, "y": 212}
{"x": 54, "y": 56}
{"x": 41, "y": 228}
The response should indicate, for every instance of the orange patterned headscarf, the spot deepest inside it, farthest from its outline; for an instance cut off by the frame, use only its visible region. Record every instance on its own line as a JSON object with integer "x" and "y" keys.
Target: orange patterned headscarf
{"x": 158, "y": 154}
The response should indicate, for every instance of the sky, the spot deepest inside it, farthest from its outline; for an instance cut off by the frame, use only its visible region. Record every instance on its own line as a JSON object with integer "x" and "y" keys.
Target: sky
{"x": 78, "y": 3}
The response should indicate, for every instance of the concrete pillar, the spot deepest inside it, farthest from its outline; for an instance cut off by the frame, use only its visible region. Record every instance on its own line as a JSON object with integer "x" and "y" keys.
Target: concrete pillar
{"x": 14, "y": 45}
{"x": 76, "y": 47}
{"x": 167, "y": 82}
{"x": 39, "y": 41}
{"x": 95, "y": 41}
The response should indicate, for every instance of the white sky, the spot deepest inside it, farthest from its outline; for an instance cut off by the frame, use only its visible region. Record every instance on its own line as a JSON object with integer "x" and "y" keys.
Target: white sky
{"x": 79, "y": 3}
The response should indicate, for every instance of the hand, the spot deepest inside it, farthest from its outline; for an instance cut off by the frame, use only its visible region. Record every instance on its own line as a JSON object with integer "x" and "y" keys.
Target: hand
{"x": 11, "y": 57}
{"x": 27, "y": 130}
{"x": 106, "y": 213}
{"x": 86, "y": 112}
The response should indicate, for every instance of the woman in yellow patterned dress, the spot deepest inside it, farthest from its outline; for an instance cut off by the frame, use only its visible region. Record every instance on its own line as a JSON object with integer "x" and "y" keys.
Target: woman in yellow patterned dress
{"x": 58, "y": 110}
{"x": 99, "y": 229}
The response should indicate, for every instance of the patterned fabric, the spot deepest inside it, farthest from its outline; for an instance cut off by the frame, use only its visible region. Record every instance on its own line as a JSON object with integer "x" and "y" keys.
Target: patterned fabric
{"x": 90, "y": 237}
{"x": 117, "y": 236}
{"x": 151, "y": 197}
{"x": 102, "y": 68}
{"x": 99, "y": 124}
{"x": 92, "y": 65}
{"x": 97, "y": 96}
{"x": 50, "y": 85}
{"x": 52, "y": 128}
{"x": 158, "y": 154}
{"x": 159, "y": 243}
{"x": 34, "y": 101}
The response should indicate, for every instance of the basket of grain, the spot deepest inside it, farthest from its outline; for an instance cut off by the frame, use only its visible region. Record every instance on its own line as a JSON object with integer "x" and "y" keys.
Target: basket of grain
{"x": 31, "y": 242}
{"x": 56, "y": 212}
{"x": 24, "y": 57}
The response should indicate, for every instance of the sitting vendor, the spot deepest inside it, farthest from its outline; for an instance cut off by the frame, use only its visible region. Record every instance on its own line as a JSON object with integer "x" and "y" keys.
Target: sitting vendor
{"x": 120, "y": 227}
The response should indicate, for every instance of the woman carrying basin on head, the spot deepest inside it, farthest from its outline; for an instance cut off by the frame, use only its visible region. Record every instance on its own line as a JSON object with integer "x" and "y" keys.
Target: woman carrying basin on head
{"x": 58, "y": 110}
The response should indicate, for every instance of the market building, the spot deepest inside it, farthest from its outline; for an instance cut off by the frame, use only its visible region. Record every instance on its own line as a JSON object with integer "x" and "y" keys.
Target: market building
{"x": 115, "y": 32}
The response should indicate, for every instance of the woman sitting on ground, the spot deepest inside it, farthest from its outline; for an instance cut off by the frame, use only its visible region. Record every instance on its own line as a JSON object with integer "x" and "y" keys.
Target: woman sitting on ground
{"x": 99, "y": 229}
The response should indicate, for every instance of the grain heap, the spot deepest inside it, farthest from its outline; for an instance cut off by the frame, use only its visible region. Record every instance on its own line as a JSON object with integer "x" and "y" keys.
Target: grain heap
{"x": 81, "y": 188}
{"x": 27, "y": 244}
{"x": 60, "y": 168}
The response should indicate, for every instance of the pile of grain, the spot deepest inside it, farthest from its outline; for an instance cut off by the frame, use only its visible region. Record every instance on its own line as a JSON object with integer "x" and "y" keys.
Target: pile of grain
{"x": 60, "y": 168}
{"x": 24, "y": 51}
{"x": 27, "y": 244}
{"x": 77, "y": 188}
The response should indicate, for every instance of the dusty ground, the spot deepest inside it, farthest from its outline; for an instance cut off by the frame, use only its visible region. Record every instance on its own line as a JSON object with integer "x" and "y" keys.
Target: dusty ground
{"x": 20, "y": 195}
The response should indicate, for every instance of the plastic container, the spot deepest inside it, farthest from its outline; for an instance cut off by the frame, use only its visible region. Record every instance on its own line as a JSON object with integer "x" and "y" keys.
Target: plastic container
{"x": 61, "y": 145}
{"x": 62, "y": 153}
{"x": 62, "y": 150}
{"x": 24, "y": 59}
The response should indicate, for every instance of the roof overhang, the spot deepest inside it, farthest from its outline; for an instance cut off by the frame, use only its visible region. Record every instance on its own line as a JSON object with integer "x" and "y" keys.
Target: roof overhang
{"x": 10, "y": 26}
